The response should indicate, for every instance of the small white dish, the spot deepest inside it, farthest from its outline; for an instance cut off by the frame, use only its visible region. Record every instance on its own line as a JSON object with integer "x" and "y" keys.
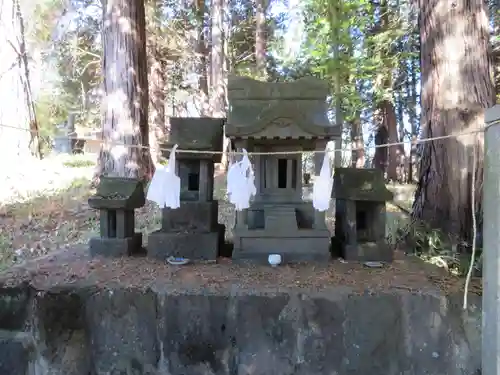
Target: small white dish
{"x": 373, "y": 264}
{"x": 274, "y": 260}
{"x": 175, "y": 261}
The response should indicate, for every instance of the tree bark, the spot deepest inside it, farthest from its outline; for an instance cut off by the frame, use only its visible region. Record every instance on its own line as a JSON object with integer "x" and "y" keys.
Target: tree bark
{"x": 456, "y": 87}
{"x": 34, "y": 145}
{"x": 125, "y": 150}
{"x": 385, "y": 106}
{"x": 218, "y": 79}
{"x": 202, "y": 56}
{"x": 260, "y": 39}
{"x": 413, "y": 117}
{"x": 19, "y": 135}
{"x": 381, "y": 138}
{"x": 157, "y": 82}
{"x": 358, "y": 145}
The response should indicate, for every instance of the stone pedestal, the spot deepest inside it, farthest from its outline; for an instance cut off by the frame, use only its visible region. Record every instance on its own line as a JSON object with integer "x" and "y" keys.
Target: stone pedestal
{"x": 116, "y": 199}
{"x": 280, "y": 233}
{"x": 191, "y": 231}
{"x": 360, "y": 216}
{"x": 491, "y": 238}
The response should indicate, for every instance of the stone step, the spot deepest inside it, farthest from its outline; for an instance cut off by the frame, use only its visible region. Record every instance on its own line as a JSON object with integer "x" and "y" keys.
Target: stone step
{"x": 281, "y": 219}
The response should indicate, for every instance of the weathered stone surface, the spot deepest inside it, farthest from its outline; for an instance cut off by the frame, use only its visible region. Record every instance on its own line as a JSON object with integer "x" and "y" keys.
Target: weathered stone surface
{"x": 16, "y": 353}
{"x": 132, "y": 331}
{"x": 116, "y": 247}
{"x": 256, "y": 246}
{"x": 118, "y": 193}
{"x": 269, "y": 109}
{"x": 190, "y": 345}
{"x": 138, "y": 316}
{"x": 58, "y": 325}
{"x": 272, "y": 117}
{"x": 193, "y": 246}
{"x": 116, "y": 198}
{"x": 122, "y": 329}
{"x": 14, "y": 306}
{"x": 368, "y": 252}
{"x": 195, "y": 217}
{"x": 361, "y": 185}
{"x": 195, "y": 133}
{"x": 360, "y": 214}
{"x": 190, "y": 231}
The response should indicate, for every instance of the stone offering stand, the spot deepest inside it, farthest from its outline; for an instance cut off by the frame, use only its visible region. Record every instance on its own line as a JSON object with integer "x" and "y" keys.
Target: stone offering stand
{"x": 192, "y": 230}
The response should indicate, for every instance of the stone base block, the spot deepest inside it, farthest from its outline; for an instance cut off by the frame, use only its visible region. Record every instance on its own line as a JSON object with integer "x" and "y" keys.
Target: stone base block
{"x": 191, "y": 217}
{"x": 369, "y": 252}
{"x": 292, "y": 249}
{"x": 193, "y": 246}
{"x": 116, "y": 247}
{"x": 16, "y": 352}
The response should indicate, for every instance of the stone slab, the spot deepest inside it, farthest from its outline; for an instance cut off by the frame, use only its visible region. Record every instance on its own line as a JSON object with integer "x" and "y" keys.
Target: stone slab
{"x": 141, "y": 316}
{"x": 191, "y": 217}
{"x": 16, "y": 353}
{"x": 116, "y": 247}
{"x": 369, "y": 252}
{"x": 292, "y": 249}
{"x": 160, "y": 330}
{"x": 14, "y": 306}
{"x": 193, "y": 246}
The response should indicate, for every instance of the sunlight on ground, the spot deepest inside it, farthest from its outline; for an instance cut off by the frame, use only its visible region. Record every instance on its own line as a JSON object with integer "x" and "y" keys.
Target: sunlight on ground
{"x": 54, "y": 212}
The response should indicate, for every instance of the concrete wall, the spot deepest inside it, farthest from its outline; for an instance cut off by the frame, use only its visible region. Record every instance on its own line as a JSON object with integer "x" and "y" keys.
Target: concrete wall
{"x": 82, "y": 331}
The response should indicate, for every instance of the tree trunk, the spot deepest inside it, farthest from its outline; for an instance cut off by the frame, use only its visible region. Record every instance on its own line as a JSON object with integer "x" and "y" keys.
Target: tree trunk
{"x": 358, "y": 145}
{"x": 125, "y": 151}
{"x": 381, "y": 138}
{"x": 414, "y": 121}
{"x": 34, "y": 145}
{"x": 495, "y": 50}
{"x": 456, "y": 87}
{"x": 157, "y": 82}
{"x": 385, "y": 106}
{"x": 19, "y": 135}
{"x": 394, "y": 152}
{"x": 218, "y": 89}
{"x": 201, "y": 52}
{"x": 218, "y": 79}
{"x": 260, "y": 39}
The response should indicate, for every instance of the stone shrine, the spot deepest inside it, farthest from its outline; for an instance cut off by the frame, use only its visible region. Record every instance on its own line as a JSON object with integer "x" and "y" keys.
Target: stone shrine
{"x": 116, "y": 199}
{"x": 192, "y": 231}
{"x": 360, "y": 216}
{"x": 280, "y": 117}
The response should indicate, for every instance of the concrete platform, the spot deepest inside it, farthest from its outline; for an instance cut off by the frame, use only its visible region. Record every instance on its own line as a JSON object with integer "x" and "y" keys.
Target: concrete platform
{"x": 73, "y": 315}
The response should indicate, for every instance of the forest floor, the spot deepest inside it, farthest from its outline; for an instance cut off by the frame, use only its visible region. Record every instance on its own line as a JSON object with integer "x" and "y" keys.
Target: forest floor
{"x": 43, "y": 208}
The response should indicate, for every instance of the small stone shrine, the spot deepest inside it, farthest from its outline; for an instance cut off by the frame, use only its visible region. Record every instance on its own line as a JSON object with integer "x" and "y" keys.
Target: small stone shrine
{"x": 116, "y": 199}
{"x": 360, "y": 216}
{"x": 192, "y": 231}
{"x": 280, "y": 117}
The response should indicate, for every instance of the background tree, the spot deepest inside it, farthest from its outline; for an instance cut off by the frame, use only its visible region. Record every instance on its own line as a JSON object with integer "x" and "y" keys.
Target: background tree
{"x": 456, "y": 88}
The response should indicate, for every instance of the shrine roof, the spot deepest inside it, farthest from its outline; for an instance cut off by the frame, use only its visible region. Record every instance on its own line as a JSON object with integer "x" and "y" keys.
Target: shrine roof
{"x": 360, "y": 185}
{"x": 279, "y": 110}
{"x": 195, "y": 133}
